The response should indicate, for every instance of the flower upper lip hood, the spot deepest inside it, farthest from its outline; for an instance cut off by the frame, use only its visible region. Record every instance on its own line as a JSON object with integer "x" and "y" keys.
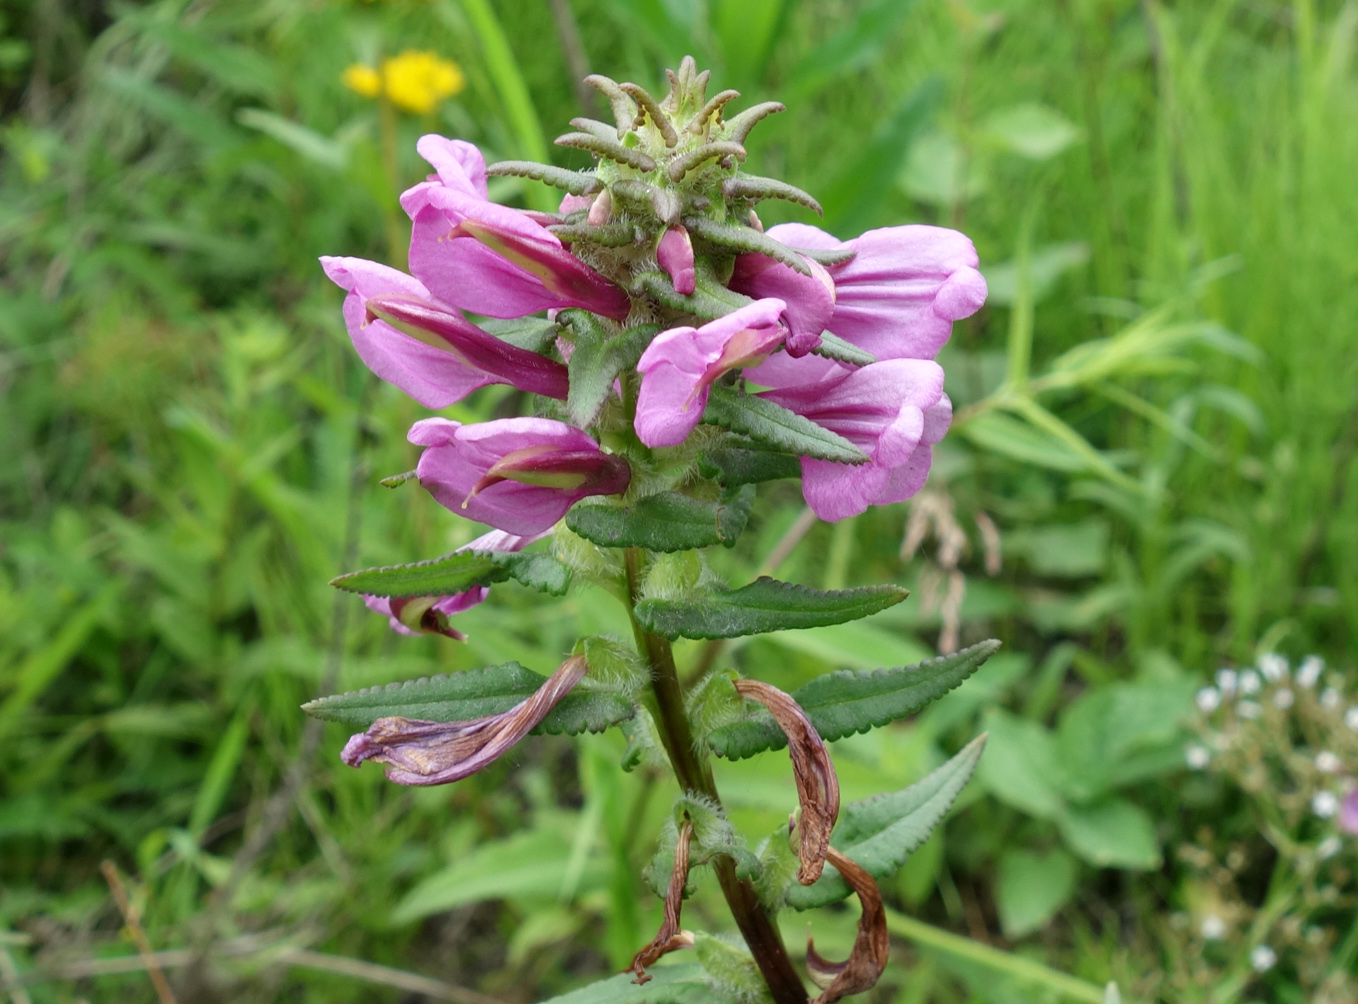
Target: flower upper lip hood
{"x": 487, "y": 258}
{"x": 436, "y": 356}
{"x": 680, "y": 364}
{"x": 517, "y": 474}
{"x": 896, "y": 298}
{"x": 895, "y": 410}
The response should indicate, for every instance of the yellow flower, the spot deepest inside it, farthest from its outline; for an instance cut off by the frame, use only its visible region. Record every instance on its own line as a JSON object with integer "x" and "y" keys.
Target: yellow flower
{"x": 418, "y": 81}
{"x": 414, "y": 81}
{"x": 363, "y": 80}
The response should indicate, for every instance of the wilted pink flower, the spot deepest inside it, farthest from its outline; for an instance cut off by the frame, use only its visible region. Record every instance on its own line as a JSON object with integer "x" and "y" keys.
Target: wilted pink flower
{"x": 424, "y": 753}
{"x": 893, "y": 410}
{"x": 675, "y": 255}
{"x": 810, "y": 298}
{"x": 414, "y": 615}
{"x": 427, "y": 348}
{"x": 518, "y": 474}
{"x": 488, "y": 258}
{"x": 680, "y": 365}
{"x": 897, "y": 297}
{"x": 1348, "y": 813}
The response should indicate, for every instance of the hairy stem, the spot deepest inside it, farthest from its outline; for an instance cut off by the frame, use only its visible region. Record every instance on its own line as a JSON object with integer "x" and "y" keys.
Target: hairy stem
{"x": 695, "y": 776}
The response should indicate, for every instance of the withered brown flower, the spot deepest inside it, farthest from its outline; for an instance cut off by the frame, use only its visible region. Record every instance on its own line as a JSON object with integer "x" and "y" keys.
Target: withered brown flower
{"x": 424, "y": 753}
{"x": 817, "y": 784}
{"x": 669, "y": 937}
{"x": 871, "y": 946}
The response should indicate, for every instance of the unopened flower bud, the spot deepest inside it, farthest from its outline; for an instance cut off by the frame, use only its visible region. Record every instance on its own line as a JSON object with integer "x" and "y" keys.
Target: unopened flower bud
{"x": 600, "y": 209}
{"x": 675, "y": 255}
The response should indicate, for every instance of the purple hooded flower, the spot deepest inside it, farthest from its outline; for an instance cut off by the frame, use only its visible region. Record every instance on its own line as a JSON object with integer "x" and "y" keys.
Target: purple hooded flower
{"x": 413, "y": 615}
{"x": 517, "y": 474}
{"x": 897, "y": 297}
{"x": 488, "y": 258}
{"x": 893, "y": 410}
{"x": 427, "y": 348}
{"x": 680, "y": 364}
{"x": 424, "y": 753}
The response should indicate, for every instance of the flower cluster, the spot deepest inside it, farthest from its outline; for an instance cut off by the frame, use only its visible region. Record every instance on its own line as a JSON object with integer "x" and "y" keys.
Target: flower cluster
{"x": 1287, "y": 740}
{"x": 414, "y": 81}
{"x": 663, "y": 233}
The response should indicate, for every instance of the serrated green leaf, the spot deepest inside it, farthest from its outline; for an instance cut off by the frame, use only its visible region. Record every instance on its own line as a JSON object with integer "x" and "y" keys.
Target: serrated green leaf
{"x": 777, "y": 428}
{"x": 836, "y": 348}
{"x": 666, "y": 521}
{"x": 597, "y": 361}
{"x": 737, "y": 465}
{"x": 681, "y": 984}
{"x": 841, "y": 704}
{"x": 458, "y": 572}
{"x": 473, "y": 693}
{"x": 881, "y": 832}
{"x": 764, "y": 605}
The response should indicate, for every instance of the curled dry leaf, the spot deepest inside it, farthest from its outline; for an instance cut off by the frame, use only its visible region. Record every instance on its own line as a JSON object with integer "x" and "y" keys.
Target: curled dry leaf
{"x": 669, "y": 938}
{"x": 865, "y": 963}
{"x": 424, "y": 753}
{"x": 817, "y": 784}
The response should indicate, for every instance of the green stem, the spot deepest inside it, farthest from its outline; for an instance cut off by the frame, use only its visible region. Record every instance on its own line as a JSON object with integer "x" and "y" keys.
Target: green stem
{"x": 695, "y": 777}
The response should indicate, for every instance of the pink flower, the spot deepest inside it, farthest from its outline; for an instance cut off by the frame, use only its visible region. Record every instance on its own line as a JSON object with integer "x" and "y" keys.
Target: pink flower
{"x": 517, "y": 474}
{"x": 675, "y": 255}
{"x": 424, "y": 753}
{"x": 1348, "y": 813}
{"x": 897, "y": 298}
{"x": 810, "y": 298}
{"x": 413, "y": 615}
{"x": 425, "y": 347}
{"x": 680, "y": 365}
{"x": 893, "y": 410}
{"x": 487, "y": 258}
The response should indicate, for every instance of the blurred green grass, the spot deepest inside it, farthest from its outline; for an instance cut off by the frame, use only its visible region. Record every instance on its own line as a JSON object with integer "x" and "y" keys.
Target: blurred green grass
{"x": 183, "y": 416}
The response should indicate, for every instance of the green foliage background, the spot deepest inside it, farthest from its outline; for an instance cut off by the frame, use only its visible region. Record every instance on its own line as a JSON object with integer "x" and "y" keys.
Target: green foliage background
{"x": 1156, "y": 408}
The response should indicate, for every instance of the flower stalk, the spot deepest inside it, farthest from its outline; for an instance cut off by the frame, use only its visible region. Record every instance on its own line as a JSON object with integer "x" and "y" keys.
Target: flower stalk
{"x": 756, "y": 924}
